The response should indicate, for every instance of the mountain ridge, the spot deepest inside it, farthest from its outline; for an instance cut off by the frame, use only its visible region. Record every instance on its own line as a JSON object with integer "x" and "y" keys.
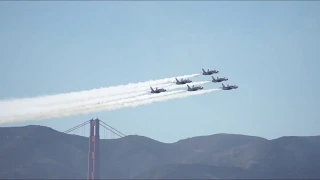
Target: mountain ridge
{"x": 40, "y": 152}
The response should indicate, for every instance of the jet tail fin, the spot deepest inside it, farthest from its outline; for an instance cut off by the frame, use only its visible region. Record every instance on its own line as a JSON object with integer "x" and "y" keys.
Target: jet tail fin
{"x": 203, "y": 70}
{"x": 188, "y": 86}
{"x": 151, "y": 89}
{"x": 223, "y": 85}
{"x": 213, "y": 78}
{"x": 177, "y": 80}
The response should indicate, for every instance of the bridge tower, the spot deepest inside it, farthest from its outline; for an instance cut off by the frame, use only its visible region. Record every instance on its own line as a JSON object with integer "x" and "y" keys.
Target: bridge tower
{"x": 94, "y": 151}
{"x": 94, "y": 145}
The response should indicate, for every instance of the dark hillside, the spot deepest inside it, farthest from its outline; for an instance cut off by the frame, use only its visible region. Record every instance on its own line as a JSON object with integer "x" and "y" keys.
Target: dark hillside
{"x": 37, "y": 152}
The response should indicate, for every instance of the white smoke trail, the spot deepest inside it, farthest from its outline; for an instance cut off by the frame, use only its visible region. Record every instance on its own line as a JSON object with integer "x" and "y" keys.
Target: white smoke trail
{"x": 136, "y": 93}
{"x": 107, "y": 106}
{"x": 36, "y": 114}
{"x": 106, "y": 98}
{"x": 160, "y": 99}
{"x": 144, "y": 100}
{"x": 36, "y": 107}
{"x": 87, "y": 94}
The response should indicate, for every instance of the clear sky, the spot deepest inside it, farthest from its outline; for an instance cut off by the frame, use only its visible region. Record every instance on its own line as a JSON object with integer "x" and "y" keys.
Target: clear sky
{"x": 269, "y": 49}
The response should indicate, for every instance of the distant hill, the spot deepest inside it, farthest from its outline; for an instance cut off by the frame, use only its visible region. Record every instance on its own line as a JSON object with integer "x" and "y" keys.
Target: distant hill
{"x": 37, "y": 152}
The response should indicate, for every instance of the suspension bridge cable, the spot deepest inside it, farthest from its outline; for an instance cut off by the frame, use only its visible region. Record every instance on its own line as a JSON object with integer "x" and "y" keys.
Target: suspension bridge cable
{"x": 76, "y": 127}
{"x": 111, "y": 131}
{"x": 130, "y": 141}
{"x": 112, "y": 128}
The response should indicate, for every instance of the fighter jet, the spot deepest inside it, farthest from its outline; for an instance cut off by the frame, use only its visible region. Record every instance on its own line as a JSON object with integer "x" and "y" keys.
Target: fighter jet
{"x": 209, "y": 72}
{"x": 193, "y": 88}
{"x": 219, "y": 79}
{"x": 229, "y": 87}
{"x": 157, "y": 90}
{"x": 183, "y": 81}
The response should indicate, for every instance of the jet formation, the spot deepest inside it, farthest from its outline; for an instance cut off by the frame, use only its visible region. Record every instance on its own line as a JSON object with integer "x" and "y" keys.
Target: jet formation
{"x": 196, "y": 88}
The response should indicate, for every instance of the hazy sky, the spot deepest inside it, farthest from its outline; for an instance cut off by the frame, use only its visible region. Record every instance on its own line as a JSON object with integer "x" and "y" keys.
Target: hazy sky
{"x": 269, "y": 49}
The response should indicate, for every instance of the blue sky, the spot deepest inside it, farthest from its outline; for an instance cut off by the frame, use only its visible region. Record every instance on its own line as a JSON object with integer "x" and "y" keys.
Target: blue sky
{"x": 269, "y": 49}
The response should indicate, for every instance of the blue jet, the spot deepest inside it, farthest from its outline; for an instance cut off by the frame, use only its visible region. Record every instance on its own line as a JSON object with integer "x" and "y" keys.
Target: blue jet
{"x": 209, "y": 72}
{"x": 219, "y": 79}
{"x": 157, "y": 90}
{"x": 229, "y": 87}
{"x": 193, "y": 88}
{"x": 183, "y": 81}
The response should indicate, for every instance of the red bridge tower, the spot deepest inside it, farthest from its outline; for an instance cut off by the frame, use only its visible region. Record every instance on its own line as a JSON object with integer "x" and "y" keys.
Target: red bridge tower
{"x": 94, "y": 151}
